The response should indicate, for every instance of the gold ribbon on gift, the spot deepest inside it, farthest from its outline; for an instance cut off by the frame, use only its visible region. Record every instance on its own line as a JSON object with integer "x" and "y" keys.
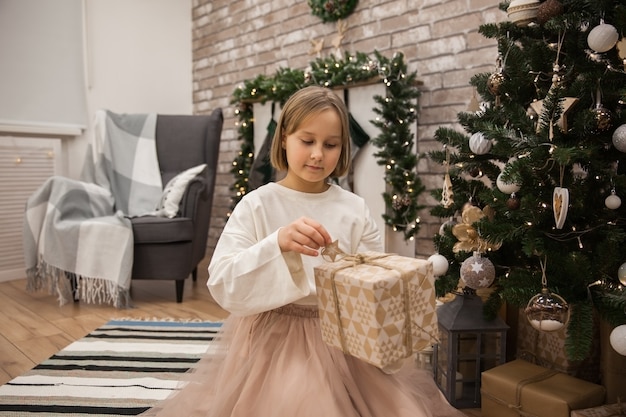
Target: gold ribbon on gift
{"x": 331, "y": 253}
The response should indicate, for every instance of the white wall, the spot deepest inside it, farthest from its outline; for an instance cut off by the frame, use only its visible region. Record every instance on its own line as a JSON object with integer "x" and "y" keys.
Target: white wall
{"x": 138, "y": 60}
{"x": 63, "y": 60}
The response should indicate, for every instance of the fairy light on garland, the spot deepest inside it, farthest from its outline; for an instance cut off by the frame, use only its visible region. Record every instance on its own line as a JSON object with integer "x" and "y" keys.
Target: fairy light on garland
{"x": 396, "y": 114}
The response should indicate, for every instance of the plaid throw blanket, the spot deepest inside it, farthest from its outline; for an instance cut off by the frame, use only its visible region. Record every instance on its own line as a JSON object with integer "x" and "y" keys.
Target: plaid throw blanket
{"x": 79, "y": 231}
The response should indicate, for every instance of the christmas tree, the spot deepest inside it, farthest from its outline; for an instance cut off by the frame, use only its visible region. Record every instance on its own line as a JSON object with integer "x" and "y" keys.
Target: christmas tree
{"x": 538, "y": 170}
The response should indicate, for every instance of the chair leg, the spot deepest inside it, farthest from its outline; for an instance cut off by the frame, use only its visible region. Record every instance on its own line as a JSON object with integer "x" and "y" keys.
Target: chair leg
{"x": 74, "y": 285}
{"x": 194, "y": 274}
{"x": 180, "y": 286}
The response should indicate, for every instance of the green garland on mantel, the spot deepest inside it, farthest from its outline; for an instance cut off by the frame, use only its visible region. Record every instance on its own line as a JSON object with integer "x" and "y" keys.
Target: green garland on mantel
{"x": 397, "y": 112}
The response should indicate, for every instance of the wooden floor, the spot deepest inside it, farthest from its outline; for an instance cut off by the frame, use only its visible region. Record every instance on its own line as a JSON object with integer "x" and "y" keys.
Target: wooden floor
{"x": 33, "y": 326}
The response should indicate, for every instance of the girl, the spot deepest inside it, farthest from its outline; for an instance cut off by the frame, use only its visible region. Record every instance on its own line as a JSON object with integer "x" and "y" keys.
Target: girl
{"x": 273, "y": 361}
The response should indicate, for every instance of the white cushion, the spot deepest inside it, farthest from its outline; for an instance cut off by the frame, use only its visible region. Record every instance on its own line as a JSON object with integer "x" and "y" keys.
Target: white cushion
{"x": 174, "y": 190}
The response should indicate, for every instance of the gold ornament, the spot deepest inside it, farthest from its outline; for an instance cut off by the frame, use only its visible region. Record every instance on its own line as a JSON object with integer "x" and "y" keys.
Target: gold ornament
{"x": 496, "y": 80}
{"x": 469, "y": 239}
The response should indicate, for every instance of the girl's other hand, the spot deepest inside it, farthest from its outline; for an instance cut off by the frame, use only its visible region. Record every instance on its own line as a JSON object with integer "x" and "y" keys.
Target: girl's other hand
{"x": 304, "y": 236}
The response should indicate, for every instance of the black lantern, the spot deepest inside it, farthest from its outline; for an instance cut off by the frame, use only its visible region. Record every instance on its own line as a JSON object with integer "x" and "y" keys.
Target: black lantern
{"x": 468, "y": 345}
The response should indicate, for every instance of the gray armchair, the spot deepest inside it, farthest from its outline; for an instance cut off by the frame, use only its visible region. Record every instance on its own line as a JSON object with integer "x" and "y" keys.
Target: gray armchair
{"x": 171, "y": 248}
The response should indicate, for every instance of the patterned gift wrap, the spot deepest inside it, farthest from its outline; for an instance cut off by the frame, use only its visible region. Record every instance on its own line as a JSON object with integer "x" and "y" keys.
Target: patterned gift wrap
{"x": 377, "y": 307}
{"x": 612, "y": 410}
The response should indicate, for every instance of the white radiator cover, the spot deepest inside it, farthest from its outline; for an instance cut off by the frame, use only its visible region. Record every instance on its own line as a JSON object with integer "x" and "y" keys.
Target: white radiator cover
{"x": 25, "y": 163}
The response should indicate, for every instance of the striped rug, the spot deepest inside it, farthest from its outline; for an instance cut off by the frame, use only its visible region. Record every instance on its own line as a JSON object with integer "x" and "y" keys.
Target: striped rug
{"x": 120, "y": 369}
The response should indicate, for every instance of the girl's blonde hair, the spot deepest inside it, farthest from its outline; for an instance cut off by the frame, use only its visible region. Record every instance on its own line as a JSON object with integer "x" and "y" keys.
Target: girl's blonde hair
{"x": 299, "y": 107}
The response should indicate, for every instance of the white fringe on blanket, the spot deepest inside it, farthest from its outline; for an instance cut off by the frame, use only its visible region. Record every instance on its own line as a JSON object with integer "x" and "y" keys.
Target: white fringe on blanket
{"x": 69, "y": 287}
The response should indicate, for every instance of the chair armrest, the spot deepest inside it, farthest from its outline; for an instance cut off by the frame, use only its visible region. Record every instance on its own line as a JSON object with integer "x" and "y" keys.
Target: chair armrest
{"x": 195, "y": 194}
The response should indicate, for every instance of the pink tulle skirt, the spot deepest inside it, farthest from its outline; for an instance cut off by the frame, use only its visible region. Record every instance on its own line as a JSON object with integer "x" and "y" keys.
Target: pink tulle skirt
{"x": 275, "y": 364}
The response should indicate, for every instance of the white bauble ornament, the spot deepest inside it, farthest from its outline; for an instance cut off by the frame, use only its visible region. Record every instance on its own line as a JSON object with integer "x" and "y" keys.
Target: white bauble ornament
{"x": 618, "y": 339}
{"x": 477, "y": 272}
{"x": 506, "y": 187}
{"x": 522, "y": 12}
{"x": 619, "y": 138}
{"x": 447, "y": 225}
{"x": 440, "y": 264}
{"x": 613, "y": 201}
{"x": 602, "y": 38}
{"x": 621, "y": 273}
{"x": 479, "y": 144}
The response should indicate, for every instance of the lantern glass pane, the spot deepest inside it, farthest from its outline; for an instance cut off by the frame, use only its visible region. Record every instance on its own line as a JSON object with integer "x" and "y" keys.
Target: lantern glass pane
{"x": 468, "y": 344}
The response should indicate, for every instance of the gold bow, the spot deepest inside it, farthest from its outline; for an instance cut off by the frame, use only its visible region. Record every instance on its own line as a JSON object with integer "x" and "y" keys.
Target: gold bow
{"x": 468, "y": 236}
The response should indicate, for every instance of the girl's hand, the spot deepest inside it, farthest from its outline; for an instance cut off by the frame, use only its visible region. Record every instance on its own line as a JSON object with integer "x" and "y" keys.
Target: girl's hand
{"x": 304, "y": 236}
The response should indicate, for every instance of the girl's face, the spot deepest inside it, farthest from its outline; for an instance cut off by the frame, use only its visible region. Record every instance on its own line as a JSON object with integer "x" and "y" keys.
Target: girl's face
{"x": 313, "y": 152}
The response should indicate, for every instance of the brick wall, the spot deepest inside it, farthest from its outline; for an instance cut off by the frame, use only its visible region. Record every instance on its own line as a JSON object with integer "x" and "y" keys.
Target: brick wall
{"x": 236, "y": 40}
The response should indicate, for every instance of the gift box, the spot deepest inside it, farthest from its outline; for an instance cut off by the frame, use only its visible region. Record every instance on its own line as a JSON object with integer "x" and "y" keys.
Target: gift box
{"x": 377, "y": 307}
{"x": 613, "y": 410}
{"x": 547, "y": 349}
{"x": 613, "y": 368}
{"x": 522, "y": 388}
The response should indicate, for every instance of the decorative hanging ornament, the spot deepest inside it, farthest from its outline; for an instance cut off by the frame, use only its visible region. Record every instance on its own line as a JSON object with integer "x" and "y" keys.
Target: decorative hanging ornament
{"x": 447, "y": 194}
{"x": 474, "y": 105}
{"x": 603, "y": 37}
{"x": 477, "y": 271}
{"x": 560, "y": 205}
{"x": 565, "y": 103}
{"x": 468, "y": 237}
{"x": 513, "y": 202}
{"x": 479, "y": 144}
{"x": 619, "y": 138}
{"x": 440, "y": 264}
{"x": 496, "y": 80}
{"x": 546, "y": 311}
{"x": 621, "y": 273}
{"x": 603, "y": 119}
{"x": 506, "y": 187}
{"x": 549, "y": 9}
{"x": 522, "y": 12}
{"x": 618, "y": 339}
{"x": 447, "y": 225}
{"x": 613, "y": 201}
